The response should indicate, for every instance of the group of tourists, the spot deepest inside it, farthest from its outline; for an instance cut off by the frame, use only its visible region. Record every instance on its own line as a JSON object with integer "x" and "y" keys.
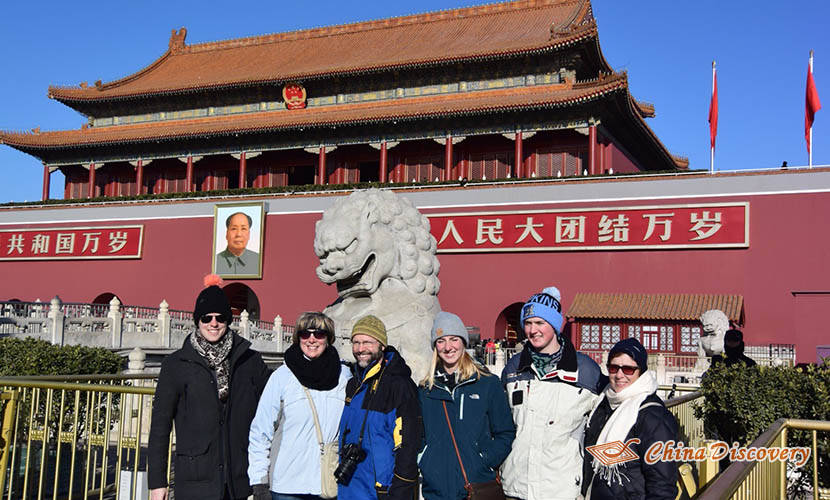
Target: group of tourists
{"x": 317, "y": 427}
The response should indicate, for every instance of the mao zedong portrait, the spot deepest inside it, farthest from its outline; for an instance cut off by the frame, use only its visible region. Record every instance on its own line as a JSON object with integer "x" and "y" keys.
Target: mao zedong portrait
{"x": 236, "y": 259}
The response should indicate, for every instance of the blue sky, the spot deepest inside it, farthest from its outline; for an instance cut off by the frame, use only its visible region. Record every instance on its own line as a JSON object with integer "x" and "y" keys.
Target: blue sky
{"x": 761, "y": 49}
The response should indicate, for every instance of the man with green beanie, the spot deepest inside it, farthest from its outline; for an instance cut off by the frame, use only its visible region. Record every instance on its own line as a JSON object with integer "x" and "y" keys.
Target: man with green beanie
{"x": 380, "y": 429}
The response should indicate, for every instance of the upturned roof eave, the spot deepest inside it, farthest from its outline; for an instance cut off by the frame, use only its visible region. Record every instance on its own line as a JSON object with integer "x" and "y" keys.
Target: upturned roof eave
{"x": 72, "y": 95}
{"x": 17, "y": 139}
{"x": 681, "y": 163}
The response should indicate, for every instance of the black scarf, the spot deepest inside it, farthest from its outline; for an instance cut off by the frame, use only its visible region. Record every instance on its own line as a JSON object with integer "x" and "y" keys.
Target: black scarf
{"x": 321, "y": 373}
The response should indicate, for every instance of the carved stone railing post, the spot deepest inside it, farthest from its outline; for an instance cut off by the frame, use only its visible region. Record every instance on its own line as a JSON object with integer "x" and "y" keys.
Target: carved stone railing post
{"x": 661, "y": 369}
{"x": 164, "y": 323}
{"x": 56, "y": 323}
{"x": 499, "y": 364}
{"x": 244, "y": 325}
{"x": 115, "y": 317}
{"x": 137, "y": 362}
{"x": 278, "y": 333}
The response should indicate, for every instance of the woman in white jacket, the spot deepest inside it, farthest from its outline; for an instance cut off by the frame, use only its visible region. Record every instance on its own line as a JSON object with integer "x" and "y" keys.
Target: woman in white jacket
{"x": 284, "y": 418}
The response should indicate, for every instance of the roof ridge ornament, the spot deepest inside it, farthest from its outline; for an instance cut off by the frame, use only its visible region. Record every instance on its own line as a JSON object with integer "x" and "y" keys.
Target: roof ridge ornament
{"x": 581, "y": 17}
{"x": 176, "y": 44}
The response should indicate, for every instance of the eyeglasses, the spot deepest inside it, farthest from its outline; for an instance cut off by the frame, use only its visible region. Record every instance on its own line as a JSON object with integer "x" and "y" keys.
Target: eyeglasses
{"x": 318, "y": 334}
{"x": 207, "y": 318}
{"x": 367, "y": 343}
{"x": 628, "y": 370}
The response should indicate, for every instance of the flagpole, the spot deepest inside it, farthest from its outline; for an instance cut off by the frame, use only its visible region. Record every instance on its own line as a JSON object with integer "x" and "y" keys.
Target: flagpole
{"x": 712, "y": 146}
{"x": 810, "y": 152}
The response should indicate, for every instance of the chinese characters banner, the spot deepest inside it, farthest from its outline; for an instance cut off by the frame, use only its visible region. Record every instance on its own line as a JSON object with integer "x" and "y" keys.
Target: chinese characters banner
{"x": 624, "y": 228}
{"x": 111, "y": 242}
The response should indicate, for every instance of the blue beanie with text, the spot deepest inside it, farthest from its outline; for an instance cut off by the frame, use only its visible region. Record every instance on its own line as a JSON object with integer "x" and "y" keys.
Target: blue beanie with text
{"x": 546, "y": 305}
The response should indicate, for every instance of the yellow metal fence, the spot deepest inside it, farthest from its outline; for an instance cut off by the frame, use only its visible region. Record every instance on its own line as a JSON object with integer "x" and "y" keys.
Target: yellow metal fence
{"x": 86, "y": 437}
{"x": 767, "y": 479}
{"x": 75, "y": 437}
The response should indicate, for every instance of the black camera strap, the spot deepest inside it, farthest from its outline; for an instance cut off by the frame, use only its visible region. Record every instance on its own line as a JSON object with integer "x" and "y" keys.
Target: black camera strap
{"x": 362, "y": 428}
{"x": 366, "y": 404}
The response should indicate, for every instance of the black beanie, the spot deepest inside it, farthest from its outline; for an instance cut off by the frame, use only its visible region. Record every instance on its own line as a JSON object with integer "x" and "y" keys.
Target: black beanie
{"x": 633, "y": 348}
{"x": 211, "y": 300}
{"x": 733, "y": 335}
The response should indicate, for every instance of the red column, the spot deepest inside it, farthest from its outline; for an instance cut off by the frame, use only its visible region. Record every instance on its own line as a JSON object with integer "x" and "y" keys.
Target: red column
{"x": 448, "y": 159}
{"x": 188, "y": 178}
{"x": 592, "y": 149}
{"x": 519, "y": 156}
{"x": 46, "y": 177}
{"x": 91, "y": 190}
{"x": 382, "y": 173}
{"x": 243, "y": 171}
{"x": 139, "y": 177}
{"x": 321, "y": 166}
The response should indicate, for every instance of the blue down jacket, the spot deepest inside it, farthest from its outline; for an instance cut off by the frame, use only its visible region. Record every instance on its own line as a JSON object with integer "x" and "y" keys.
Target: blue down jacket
{"x": 386, "y": 397}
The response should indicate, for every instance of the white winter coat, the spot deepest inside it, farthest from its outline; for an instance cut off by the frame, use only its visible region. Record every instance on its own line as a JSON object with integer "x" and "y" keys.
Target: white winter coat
{"x": 293, "y": 437}
{"x": 545, "y": 462}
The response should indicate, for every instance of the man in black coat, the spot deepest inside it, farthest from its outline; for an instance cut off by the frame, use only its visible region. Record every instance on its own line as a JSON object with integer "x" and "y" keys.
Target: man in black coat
{"x": 210, "y": 387}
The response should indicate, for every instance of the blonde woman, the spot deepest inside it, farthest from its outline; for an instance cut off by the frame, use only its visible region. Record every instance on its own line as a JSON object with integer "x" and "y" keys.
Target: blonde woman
{"x": 462, "y": 394}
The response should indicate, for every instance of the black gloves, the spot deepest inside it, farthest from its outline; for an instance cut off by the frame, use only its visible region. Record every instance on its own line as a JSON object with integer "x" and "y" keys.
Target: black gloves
{"x": 262, "y": 492}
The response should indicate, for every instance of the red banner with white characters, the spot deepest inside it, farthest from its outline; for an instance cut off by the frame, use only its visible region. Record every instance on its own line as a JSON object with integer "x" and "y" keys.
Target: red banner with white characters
{"x": 613, "y": 228}
{"x": 110, "y": 242}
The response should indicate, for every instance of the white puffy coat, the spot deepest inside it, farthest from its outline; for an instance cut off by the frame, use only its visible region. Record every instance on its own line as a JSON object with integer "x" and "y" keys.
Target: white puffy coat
{"x": 545, "y": 462}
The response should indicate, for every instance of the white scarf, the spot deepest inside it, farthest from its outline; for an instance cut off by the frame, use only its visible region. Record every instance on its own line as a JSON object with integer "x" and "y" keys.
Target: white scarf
{"x": 626, "y": 406}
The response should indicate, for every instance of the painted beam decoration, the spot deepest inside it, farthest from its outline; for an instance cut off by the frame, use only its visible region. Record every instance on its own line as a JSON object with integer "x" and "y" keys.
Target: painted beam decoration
{"x": 63, "y": 243}
{"x": 612, "y": 228}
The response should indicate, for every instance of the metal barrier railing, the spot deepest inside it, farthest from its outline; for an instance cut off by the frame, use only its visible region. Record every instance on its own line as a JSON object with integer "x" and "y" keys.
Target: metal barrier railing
{"x": 66, "y": 437}
{"x": 691, "y": 432}
{"x": 766, "y": 479}
{"x": 683, "y": 409}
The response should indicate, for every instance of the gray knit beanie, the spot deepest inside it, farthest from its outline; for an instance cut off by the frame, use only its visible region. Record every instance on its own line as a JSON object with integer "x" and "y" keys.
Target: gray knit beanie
{"x": 446, "y": 325}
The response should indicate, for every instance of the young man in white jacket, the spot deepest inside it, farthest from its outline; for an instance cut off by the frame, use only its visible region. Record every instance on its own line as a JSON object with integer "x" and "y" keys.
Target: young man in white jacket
{"x": 551, "y": 389}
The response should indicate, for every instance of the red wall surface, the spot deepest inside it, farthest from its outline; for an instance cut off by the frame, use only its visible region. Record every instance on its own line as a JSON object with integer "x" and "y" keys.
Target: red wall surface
{"x": 787, "y": 256}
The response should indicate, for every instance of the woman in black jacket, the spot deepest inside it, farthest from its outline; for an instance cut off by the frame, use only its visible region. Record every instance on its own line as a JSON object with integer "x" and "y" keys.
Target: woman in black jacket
{"x": 629, "y": 408}
{"x": 210, "y": 387}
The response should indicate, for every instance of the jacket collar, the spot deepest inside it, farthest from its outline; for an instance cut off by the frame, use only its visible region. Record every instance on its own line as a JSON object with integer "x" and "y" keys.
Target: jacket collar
{"x": 566, "y": 369}
{"x": 440, "y": 391}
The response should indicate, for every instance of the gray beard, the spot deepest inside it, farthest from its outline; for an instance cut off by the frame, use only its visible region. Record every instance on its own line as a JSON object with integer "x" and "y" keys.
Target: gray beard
{"x": 374, "y": 358}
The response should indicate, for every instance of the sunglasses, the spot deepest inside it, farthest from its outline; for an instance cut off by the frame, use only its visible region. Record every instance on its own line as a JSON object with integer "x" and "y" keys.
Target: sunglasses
{"x": 628, "y": 370}
{"x": 207, "y": 318}
{"x": 318, "y": 334}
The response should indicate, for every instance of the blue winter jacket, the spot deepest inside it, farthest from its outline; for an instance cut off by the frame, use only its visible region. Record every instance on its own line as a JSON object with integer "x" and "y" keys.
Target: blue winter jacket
{"x": 483, "y": 428}
{"x": 386, "y": 397}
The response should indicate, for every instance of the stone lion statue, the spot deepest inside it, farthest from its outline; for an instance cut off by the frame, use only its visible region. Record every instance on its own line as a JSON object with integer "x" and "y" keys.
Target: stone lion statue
{"x": 715, "y": 323}
{"x": 377, "y": 248}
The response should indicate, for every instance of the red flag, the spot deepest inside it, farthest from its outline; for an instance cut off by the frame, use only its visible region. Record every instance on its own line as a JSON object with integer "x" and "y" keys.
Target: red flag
{"x": 713, "y": 109}
{"x": 812, "y": 105}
